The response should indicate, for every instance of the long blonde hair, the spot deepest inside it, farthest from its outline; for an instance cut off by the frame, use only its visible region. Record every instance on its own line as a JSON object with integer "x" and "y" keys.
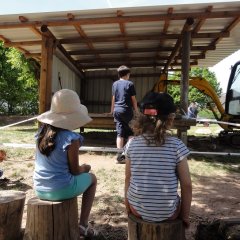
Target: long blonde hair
{"x": 156, "y": 126}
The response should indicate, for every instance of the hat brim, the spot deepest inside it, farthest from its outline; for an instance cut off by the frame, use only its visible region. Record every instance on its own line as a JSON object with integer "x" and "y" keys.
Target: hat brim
{"x": 69, "y": 121}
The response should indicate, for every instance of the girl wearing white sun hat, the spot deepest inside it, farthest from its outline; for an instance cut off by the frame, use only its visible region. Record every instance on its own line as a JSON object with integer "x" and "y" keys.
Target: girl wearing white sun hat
{"x": 57, "y": 174}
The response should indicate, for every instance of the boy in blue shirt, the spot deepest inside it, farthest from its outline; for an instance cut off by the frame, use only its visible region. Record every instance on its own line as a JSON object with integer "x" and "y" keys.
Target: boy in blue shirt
{"x": 123, "y": 103}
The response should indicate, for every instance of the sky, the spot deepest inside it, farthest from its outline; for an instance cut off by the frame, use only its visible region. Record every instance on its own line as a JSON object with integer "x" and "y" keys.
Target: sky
{"x": 30, "y": 6}
{"x": 222, "y": 69}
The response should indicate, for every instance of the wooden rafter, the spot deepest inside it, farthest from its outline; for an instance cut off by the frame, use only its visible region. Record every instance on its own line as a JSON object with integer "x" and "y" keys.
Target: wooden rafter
{"x": 165, "y": 27}
{"x": 149, "y": 64}
{"x": 141, "y": 37}
{"x": 71, "y": 17}
{"x": 137, "y": 50}
{"x": 122, "y": 28}
{"x": 186, "y": 27}
{"x": 164, "y": 47}
{"x": 226, "y": 29}
{"x": 122, "y": 59}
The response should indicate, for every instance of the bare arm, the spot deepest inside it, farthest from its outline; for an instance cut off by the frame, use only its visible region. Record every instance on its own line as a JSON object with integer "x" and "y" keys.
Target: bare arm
{"x": 127, "y": 183}
{"x": 112, "y": 105}
{"x": 186, "y": 190}
{"x": 134, "y": 102}
{"x": 73, "y": 159}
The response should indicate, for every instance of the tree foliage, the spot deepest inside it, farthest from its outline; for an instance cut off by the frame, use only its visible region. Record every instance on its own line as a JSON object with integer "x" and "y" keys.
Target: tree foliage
{"x": 18, "y": 83}
{"x": 194, "y": 94}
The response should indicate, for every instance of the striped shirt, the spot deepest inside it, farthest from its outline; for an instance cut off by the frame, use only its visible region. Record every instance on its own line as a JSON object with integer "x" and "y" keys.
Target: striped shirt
{"x": 154, "y": 182}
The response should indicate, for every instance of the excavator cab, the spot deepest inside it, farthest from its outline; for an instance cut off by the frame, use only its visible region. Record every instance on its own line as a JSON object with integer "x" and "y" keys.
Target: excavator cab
{"x": 232, "y": 104}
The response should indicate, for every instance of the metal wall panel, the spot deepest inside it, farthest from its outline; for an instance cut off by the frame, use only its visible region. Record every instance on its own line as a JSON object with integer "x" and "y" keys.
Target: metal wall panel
{"x": 68, "y": 78}
{"x": 98, "y": 88}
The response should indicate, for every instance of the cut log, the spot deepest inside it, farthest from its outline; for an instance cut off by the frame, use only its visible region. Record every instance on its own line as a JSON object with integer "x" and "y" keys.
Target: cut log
{"x": 167, "y": 230}
{"x": 47, "y": 220}
{"x": 11, "y": 212}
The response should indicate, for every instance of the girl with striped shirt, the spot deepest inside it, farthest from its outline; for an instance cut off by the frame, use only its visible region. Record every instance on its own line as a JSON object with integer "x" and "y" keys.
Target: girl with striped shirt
{"x": 155, "y": 163}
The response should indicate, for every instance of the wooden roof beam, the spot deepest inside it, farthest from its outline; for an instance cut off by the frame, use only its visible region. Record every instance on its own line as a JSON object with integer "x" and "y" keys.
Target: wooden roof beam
{"x": 165, "y": 27}
{"x": 226, "y": 29}
{"x": 136, "y": 50}
{"x": 46, "y": 31}
{"x": 123, "y": 59}
{"x": 81, "y": 32}
{"x": 201, "y": 21}
{"x": 141, "y": 37}
{"x": 187, "y": 26}
{"x": 125, "y": 19}
{"x": 23, "y": 19}
{"x": 149, "y": 64}
{"x": 122, "y": 28}
{"x": 24, "y": 43}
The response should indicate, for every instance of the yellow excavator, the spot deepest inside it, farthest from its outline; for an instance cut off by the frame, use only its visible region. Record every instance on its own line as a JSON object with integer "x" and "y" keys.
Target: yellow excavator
{"x": 229, "y": 117}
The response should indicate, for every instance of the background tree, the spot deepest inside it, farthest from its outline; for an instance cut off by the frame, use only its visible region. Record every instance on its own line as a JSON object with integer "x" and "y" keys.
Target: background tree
{"x": 18, "y": 83}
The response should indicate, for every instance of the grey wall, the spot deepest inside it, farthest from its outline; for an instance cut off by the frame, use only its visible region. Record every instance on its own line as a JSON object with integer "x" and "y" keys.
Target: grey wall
{"x": 98, "y": 88}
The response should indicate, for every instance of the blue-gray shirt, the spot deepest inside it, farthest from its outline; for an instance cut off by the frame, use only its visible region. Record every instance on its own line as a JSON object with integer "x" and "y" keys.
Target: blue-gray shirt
{"x": 123, "y": 90}
{"x": 52, "y": 172}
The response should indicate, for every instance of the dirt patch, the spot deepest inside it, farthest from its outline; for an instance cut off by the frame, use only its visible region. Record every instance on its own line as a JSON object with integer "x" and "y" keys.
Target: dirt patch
{"x": 214, "y": 197}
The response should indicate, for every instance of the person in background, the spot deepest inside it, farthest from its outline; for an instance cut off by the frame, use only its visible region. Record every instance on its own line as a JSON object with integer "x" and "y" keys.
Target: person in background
{"x": 155, "y": 162}
{"x": 193, "y": 110}
{"x": 57, "y": 174}
{"x": 123, "y": 103}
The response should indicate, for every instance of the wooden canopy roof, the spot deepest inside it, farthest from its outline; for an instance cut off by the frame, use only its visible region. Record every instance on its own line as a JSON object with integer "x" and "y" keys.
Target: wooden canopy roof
{"x": 138, "y": 37}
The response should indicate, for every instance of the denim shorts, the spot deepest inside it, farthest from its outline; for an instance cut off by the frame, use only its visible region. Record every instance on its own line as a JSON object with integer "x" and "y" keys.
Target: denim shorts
{"x": 80, "y": 184}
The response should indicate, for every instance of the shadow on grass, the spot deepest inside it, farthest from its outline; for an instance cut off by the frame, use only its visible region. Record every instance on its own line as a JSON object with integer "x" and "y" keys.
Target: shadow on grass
{"x": 110, "y": 217}
{"x": 8, "y": 184}
{"x": 229, "y": 163}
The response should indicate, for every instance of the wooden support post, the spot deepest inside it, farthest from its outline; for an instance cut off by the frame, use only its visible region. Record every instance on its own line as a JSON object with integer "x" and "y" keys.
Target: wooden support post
{"x": 185, "y": 70}
{"x": 186, "y": 41}
{"x": 48, "y": 220}
{"x": 48, "y": 47}
{"x": 167, "y": 230}
{"x": 11, "y": 212}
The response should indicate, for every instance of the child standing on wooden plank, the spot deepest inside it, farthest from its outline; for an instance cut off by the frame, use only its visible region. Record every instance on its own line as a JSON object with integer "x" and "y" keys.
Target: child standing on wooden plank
{"x": 155, "y": 162}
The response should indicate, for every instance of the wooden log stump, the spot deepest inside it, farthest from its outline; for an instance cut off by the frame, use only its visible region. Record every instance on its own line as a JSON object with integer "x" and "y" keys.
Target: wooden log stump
{"x": 167, "y": 230}
{"x": 11, "y": 212}
{"x": 47, "y": 220}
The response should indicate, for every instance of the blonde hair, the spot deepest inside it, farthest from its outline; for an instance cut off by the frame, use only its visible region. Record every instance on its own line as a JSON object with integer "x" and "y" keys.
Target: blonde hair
{"x": 158, "y": 126}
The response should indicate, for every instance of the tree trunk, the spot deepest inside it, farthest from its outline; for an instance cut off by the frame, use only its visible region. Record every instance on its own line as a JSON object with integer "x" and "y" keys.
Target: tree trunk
{"x": 11, "y": 212}
{"x": 48, "y": 220}
{"x": 167, "y": 230}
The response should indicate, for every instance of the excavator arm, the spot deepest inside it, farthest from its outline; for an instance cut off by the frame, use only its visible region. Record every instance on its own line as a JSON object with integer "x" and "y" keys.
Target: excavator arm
{"x": 202, "y": 85}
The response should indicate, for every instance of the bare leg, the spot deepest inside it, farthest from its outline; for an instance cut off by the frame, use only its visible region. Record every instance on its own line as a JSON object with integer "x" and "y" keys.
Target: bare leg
{"x": 87, "y": 201}
{"x": 120, "y": 142}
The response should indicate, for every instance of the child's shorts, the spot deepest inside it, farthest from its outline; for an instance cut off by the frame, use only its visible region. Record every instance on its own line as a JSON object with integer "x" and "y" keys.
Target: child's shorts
{"x": 80, "y": 184}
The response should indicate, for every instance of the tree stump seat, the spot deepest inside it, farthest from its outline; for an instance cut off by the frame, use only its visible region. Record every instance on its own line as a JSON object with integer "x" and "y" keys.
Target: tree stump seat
{"x": 48, "y": 220}
{"x": 11, "y": 212}
{"x": 166, "y": 230}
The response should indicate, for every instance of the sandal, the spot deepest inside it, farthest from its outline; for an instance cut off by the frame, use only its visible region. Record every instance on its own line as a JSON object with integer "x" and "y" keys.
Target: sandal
{"x": 88, "y": 231}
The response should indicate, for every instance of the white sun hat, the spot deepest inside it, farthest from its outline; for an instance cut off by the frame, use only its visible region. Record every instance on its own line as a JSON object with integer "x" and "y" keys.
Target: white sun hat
{"x": 66, "y": 111}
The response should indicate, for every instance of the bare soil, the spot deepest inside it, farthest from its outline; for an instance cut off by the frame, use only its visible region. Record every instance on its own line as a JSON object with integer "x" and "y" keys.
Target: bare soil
{"x": 213, "y": 198}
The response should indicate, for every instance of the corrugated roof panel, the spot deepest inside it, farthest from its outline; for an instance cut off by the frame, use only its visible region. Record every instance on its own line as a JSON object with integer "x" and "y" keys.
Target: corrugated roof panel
{"x": 19, "y": 34}
{"x": 64, "y": 32}
{"x": 141, "y": 28}
{"x": 101, "y": 30}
